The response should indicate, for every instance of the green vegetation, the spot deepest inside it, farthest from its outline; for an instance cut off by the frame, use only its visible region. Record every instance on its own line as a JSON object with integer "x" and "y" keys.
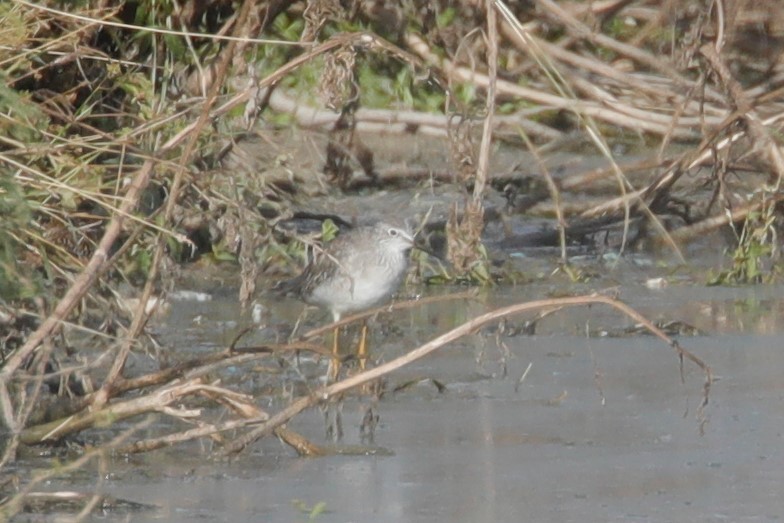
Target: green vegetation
{"x": 752, "y": 260}
{"x": 17, "y": 280}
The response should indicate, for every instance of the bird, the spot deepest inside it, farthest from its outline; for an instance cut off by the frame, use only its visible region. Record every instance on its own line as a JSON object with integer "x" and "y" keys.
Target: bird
{"x": 360, "y": 268}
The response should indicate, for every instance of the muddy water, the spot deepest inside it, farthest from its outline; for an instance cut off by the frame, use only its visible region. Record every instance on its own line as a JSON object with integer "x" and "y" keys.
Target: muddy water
{"x": 600, "y": 429}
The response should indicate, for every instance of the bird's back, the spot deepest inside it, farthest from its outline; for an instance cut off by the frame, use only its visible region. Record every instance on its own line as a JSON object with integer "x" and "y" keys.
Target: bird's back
{"x": 355, "y": 271}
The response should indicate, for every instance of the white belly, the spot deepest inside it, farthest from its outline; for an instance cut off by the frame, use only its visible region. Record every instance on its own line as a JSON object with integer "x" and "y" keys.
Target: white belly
{"x": 343, "y": 294}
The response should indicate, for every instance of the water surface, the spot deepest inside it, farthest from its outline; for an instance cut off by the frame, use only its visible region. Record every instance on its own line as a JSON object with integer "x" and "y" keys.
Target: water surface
{"x": 600, "y": 429}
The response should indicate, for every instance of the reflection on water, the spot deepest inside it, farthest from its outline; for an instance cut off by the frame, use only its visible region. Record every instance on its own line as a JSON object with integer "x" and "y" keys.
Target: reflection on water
{"x": 492, "y": 449}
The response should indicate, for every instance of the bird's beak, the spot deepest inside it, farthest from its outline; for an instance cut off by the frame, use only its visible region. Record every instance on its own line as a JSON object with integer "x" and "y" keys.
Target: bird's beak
{"x": 421, "y": 246}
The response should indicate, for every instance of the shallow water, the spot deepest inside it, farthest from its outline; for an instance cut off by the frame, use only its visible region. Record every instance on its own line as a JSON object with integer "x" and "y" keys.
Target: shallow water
{"x": 600, "y": 429}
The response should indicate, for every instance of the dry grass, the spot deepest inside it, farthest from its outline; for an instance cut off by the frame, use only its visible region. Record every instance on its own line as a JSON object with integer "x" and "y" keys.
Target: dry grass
{"x": 115, "y": 122}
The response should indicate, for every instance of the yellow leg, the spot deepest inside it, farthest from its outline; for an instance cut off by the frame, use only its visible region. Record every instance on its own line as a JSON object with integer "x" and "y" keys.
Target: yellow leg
{"x": 334, "y": 364}
{"x": 362, "y": 351}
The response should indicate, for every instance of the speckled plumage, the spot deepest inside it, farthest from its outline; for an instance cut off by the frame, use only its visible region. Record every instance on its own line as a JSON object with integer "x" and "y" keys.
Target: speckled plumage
{"x": 359, "y": 269}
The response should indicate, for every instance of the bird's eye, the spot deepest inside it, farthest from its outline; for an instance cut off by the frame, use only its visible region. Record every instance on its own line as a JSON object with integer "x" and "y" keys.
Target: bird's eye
{"x": 392, "y": 232}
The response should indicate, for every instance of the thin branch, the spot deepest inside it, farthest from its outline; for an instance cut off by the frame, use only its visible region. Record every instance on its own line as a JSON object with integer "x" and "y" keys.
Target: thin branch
{"x": 325, "y": 393}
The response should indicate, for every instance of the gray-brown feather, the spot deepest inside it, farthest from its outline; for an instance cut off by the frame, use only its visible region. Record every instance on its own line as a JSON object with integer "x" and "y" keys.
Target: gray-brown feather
{"x": 357, "y": 270}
